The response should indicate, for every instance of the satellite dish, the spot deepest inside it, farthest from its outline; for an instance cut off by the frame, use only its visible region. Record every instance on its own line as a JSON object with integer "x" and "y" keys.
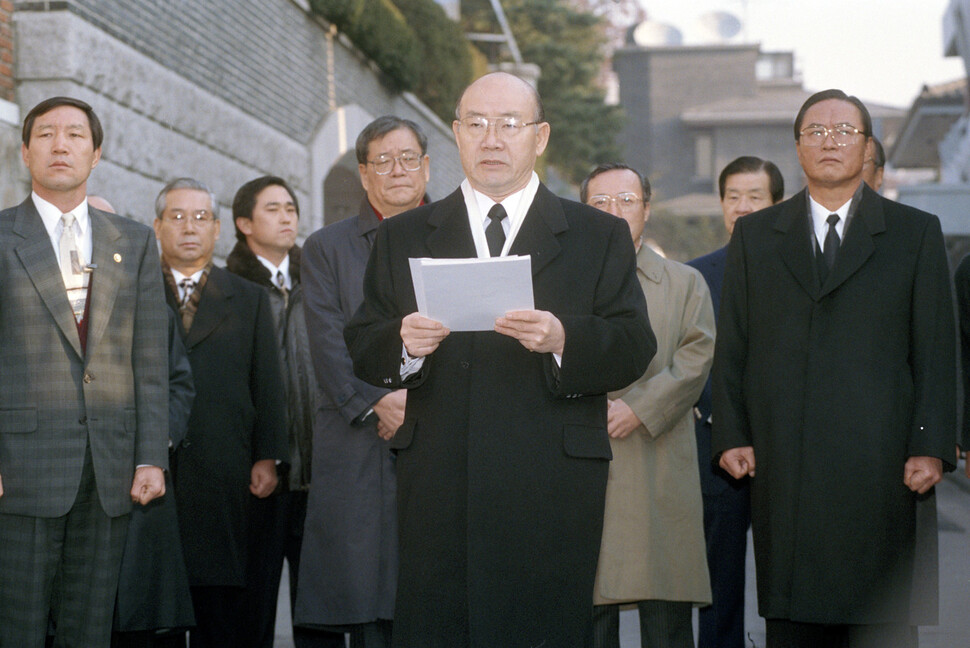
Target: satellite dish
{"x": 651, "y": 33}
{"x": 717, "y": 26}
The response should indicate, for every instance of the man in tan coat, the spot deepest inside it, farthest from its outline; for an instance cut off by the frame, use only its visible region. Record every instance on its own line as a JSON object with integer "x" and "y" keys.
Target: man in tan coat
{"x": 653, "y": 550}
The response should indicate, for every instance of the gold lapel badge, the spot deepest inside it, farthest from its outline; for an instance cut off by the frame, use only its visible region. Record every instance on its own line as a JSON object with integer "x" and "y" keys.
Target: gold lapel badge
{"x": 117, "y": 258}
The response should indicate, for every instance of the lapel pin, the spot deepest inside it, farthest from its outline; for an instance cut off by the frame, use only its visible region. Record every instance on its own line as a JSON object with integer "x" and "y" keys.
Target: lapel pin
{"x": 117, "y": 258}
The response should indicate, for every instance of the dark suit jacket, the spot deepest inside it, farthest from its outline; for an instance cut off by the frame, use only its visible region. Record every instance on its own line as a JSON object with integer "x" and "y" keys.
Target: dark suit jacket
{"x": 502, "y": 459}
{"x": 348, "y": 565}
{"x": 835, "y": 386}
{"x": 54, "y": 399}
{"x": 713, "y": 479}
{"x": 238, "y": 418}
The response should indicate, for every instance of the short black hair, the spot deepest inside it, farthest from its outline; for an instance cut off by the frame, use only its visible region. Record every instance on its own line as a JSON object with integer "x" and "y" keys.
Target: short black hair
{"x": 752, "y": 164}
{"x": 613, "y": 166}
{"x": 47, "y": 105}
{"x": 244, "y": 202}
{"x": 878, "y": 153}
{"x": 833, "y": 94}
{"x": 381, "y": 127}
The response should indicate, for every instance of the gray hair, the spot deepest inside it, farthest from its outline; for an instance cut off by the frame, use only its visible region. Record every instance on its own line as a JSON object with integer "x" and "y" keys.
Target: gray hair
{"x": 185, "y": 183}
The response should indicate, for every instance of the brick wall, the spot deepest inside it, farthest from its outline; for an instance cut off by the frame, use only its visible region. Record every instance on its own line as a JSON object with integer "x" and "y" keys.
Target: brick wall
{"x": 6, "y": 50}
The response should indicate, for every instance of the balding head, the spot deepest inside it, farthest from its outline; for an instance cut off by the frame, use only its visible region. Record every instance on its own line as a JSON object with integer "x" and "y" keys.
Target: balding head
{"x": 500, "y": 133}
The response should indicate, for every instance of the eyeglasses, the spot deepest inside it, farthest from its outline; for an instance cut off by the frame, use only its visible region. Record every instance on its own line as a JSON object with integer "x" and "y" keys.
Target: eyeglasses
{"x": 626, "y": 201}
{"x": 816, "y": 134}
{"x": 385, "y": 164}
{"x": 506, "y": 128}
{"x": 180, "y": 218}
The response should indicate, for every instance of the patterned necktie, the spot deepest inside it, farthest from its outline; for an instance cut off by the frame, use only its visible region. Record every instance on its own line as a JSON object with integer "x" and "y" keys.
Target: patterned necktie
{"x": 832, "y": 241}
{"x": 494, "y": 233}
{"x": 187, "y": 286}
{"x": 72, "y": 268}
{"x": 281, "y": 284}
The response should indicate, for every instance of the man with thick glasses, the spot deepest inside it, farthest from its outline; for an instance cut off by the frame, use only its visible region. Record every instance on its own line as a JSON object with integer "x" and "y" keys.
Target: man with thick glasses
{"x": 503, "y": 455}
{"x": 348, "y": 574}
{"x": 834, "y": 389}
{"x": 653, "y": 551}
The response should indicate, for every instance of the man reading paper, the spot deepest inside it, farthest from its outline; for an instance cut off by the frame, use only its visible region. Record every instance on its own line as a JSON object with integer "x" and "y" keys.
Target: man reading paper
{"x": 503, "y": 454}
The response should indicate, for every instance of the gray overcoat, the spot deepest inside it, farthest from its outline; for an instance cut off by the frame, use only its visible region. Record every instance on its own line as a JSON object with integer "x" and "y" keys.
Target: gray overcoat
{"x": 348, "y": 565}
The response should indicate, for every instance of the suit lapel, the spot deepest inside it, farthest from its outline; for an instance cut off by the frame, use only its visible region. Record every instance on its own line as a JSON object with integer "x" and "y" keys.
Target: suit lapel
{"x": 537, "y": 235}
{"x": 794, "y": 247}
{"x": 107, "y": 275}
{"x": 451, "y": 236}
{"x": 858, "y": 245}
{"x": 214, "y": 306}
{"x": 40, "y": 262}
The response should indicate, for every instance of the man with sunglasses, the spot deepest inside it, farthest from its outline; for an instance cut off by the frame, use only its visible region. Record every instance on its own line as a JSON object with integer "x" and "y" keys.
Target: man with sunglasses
{"x": 348, "y": 573}
{"x": 503, "y": 455}
{"x": 834, "y": 381}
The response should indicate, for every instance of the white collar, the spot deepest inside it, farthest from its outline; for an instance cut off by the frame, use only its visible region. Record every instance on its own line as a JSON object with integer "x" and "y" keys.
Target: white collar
{"x": 283, "y": 267}
{"x": 516, "y": 206}
{"x": 51, "y": 215}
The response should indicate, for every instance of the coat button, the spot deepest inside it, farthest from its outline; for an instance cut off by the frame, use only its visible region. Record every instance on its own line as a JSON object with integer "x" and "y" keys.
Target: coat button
{"x": 83, "y": 420}
{"x": 464, "y": 364}
{"x": 88, "y": 378}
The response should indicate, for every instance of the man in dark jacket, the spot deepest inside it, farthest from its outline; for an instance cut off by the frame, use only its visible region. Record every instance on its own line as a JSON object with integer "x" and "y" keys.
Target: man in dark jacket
{"x": 349, "y": 574}
{"x": 237, "y": 432}
{"x": 834, "y": 390}
{"x": 266, "y": 214}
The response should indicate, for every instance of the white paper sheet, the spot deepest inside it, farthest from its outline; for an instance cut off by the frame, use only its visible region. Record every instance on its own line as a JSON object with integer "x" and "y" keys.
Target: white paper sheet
{"x": 468, "y": 294}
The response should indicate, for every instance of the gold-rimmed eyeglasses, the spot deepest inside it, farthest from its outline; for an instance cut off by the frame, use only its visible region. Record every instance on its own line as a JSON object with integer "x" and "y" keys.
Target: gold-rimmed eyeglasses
{"x": 200, "y": 217}
{"x": 505, "y": 127}
{"x": 816, "y": 134}
{"x": 384, "y": 164}
{"x": 625, "y": 201}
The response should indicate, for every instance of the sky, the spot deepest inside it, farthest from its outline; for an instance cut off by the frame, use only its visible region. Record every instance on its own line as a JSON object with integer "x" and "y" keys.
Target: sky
{"x": 882, "y": 51}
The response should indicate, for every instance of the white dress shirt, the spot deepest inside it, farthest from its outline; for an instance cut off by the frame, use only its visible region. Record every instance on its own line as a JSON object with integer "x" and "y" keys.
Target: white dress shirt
{"x": 283, "y": 267}
{"x": 51, "y": 217}
{"x": 516, "y": 206}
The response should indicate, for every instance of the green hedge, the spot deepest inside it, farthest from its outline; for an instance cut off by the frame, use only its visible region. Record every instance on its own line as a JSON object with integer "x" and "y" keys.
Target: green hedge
{"x": 412, "y": 41}
{"x": 381, "y": 32}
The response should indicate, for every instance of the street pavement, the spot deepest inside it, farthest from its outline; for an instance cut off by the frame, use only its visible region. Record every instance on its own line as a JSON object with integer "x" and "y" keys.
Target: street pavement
{"x": 953, "y": 505}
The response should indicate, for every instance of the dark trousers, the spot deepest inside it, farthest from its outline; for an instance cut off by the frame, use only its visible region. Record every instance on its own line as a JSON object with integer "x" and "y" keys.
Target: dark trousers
{"x": 782, "y": 633}
{"x": 221, "y": 616}
{"x": 148, "y": 639}
{"x": 727, "y": 516}
{"x": 277, "y": 533}
{"x": 63, "y": 569}
{"x": 663, "y": 624}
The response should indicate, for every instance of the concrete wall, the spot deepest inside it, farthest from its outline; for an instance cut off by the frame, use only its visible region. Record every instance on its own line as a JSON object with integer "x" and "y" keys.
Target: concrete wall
{"x": 221, "y": 90}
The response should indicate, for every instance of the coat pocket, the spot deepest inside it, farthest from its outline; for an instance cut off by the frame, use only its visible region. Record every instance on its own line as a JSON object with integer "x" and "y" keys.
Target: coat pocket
{"x": 586, "y": 441}
{"x": 18, "y": 421}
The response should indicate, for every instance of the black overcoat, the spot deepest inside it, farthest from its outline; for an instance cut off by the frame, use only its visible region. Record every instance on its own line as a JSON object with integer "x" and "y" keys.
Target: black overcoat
{"x": 238, "y": 417}
{"x": 835, "y": 386}
{"x": 502, "y": 458}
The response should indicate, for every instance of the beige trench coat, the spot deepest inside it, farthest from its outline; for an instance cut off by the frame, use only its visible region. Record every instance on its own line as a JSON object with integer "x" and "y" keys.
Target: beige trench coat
{"x": 653, "y": 536}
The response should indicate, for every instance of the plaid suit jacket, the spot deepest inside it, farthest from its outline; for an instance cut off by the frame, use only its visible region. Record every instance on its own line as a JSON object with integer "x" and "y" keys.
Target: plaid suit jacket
{"x": 54, "y": 399}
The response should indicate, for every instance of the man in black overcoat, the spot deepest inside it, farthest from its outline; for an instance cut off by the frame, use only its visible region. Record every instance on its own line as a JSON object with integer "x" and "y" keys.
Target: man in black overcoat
{"x": 502, "y": 458}
{"x": 834, "y": 376}
{"x": 237, "y": 428}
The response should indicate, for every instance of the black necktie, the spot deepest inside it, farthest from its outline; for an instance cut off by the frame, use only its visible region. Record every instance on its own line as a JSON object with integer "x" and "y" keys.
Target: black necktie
{"x": 494, "y": 233}
{"x": 832, "y": 241}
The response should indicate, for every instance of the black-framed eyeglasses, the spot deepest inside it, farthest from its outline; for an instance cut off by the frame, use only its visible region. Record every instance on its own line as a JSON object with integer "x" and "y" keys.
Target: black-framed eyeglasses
{"x": 816, "y": 134}
{"x": 505, "y": 127}
{"x": 384, "y": 164}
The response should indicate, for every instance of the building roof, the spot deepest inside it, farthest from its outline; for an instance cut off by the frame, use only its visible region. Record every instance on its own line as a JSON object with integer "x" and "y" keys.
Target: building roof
{"x": 775, "y": 103}
{"x": 927, "y": 122}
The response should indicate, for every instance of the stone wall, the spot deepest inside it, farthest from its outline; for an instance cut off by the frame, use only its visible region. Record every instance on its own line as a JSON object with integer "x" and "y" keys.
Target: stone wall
{"x": 221, "y": 90}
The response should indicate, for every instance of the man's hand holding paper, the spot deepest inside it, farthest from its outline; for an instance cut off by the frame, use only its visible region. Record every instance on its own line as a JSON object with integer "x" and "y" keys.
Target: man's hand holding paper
{"x": 421, "y": 335}
{"x": 536, "y": 330}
